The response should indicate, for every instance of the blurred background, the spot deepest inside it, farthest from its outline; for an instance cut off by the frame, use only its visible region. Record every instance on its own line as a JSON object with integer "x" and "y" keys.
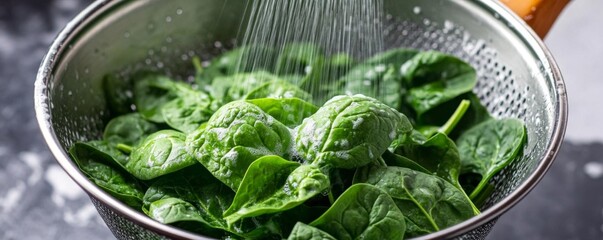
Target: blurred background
{"x": 39, "y": 201}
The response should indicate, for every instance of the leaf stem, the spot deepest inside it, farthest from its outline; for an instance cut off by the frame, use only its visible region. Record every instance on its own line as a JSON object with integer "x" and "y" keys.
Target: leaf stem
{"x": 455, "y": 118}
{"x": 124, "y": 148}
{"x": 483, "y": 195}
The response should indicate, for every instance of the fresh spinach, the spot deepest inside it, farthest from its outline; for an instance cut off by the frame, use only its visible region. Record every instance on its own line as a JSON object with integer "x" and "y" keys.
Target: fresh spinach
{"x": 303, "y": 231}
{"x": 160, "y": 153}
{"x": 488, "y": 147}
{"x": 187, "y": 112}
{"x": 363, "y": 212}
{"x": 379, "y": 77}
{"x": 247, "y": 153}
{"x": 289, "y": 111}
{"x": 278, "y": 89}
{"x": 240, "y": 60}
{"x": 151, "y": 93}
{"x": 395, "y": 160}
{"x": 97, "y": 166}
{"x": 430, "y": 203}
{"x": 128, "y": 129}
{"x": 433, "y": 78}
{"x": 195, "y": 195}
{"x": 273, "y": 184}
{"x": 349, "y": 132}
{"x": 299, "y": 59}
{"x": 236, "y": 135}
{"x": 254, "y": 85}
{"x": 438, "y": 155}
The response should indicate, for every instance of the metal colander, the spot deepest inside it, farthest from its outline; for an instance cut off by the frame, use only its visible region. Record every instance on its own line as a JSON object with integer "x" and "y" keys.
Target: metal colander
{"x": 517, "y": 78}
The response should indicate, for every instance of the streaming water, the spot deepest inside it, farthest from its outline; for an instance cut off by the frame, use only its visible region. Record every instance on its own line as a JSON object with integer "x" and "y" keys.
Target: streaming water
{"x": 336, "y": 27}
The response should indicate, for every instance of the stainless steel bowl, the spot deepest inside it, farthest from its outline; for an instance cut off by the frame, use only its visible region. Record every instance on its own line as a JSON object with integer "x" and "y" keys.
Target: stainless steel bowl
{"x": 517, "y": 77}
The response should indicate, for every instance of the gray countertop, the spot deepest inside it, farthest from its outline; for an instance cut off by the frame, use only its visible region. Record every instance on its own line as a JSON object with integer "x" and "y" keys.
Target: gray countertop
{"x": 39, "y": 201}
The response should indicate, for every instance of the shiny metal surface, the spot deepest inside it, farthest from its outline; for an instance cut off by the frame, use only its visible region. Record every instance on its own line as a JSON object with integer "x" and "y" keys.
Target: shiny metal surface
{"x": 517, "y": 77}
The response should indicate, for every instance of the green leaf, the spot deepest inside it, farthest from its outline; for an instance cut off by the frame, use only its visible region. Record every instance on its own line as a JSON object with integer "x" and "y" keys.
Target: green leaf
{"x": 434, "y": 78}
{"x": 193, "y": 194}
{"x": 490, "y": 146}
{"x": 160, "y": 153}
{"x": 110, "y": 154}
{"x": 438, "y": 155}
{"x": 96, "y": 165}
{"x": 235, "y": 136}
{"x": 363, "y": 212}
{"x": 395, "y": 160}
{"x": 237, "y": 86}
{"x": 278, "y": 89}
{"x": 322, "y": 79}
{"x": 152, "y": 92}
{"x": 240, "y": 60}
{"x": 349, "y": 132}
{"x": 379, "y": 77}
{"x": 187, "y": 112}
{"x": 129, "y": 129}
{"x": 273, "y": 184}
{"x": 429, "y": 203}
{"x": 302, "y": 231}
{"x": 298, "y": 58}
{"x": 289, "y": 111}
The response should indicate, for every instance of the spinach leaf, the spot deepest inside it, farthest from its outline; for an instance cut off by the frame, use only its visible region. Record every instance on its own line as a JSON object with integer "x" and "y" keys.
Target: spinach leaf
{"x": 187, "y": 112}
{"x": 379, "y": 81}
{"x": 193, "y": 194}
{"x": 151, "y": 93}
{"x": 395, "y": 160}
{"x": 289, "y": 111}
{"x": 236, "y": 135}
{"x": 98, "y": 168}
{"x": 237, "y": 86}
{"x": 193, "y": 184}
{"x": 278, "y": 89}
{"x": 129, "y": 129}
{"x": 322, "y": 80}
{"x": 273, "y": 184}
{"x": 302, "y": 231}
{"x": 490, "y": 146}
{"x": 240, "y": 60}
{"x": 298, "y": 58}
{"x": 363, "y": 212}
{"x": 429, "y": 202}
{"x": 379, "y": 77}
{"x": 434, "y": 78}
{"x": 111, "y": 154}
{"x": 438, "y": 155}
{"x": 160, "y": 153}
{"x": 182, "y": 214}
{"x": 349, "y": 132}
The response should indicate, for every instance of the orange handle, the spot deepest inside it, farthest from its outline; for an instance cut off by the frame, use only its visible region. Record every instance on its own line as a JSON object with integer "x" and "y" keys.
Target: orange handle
{"x": 539, "y": 14}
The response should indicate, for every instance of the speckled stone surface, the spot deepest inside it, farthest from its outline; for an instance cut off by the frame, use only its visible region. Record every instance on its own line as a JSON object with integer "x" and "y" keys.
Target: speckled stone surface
{"x": 39, "y": 201}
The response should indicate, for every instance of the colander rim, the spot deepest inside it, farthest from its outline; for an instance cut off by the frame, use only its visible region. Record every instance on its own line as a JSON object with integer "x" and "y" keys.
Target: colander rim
{"x": 520, "y": 28}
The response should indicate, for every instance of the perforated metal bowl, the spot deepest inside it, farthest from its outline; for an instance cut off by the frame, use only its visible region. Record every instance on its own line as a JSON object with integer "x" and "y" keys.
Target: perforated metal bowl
{"x": 517, "y": 78}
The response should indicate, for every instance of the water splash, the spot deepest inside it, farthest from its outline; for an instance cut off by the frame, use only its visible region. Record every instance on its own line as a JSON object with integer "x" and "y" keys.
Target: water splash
{"x": 336, "y": 27}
